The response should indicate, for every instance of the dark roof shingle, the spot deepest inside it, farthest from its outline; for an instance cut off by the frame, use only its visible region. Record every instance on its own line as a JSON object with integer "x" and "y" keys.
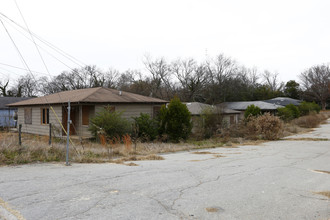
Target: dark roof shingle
{"x": 284, "y": 101}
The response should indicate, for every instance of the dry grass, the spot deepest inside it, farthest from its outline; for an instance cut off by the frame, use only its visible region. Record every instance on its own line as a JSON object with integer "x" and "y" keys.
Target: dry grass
{"x": 35, "y": 148}
{"x": 324, "y": 193}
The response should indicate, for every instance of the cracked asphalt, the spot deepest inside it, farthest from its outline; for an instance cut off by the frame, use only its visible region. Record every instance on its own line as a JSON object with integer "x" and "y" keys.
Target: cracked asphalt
{"x": 274, "y": 180}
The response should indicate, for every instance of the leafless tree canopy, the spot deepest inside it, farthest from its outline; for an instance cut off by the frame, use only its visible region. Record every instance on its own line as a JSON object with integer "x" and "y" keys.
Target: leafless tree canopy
{"x": 316, "y": 81}
{"x": 213, "y": 81}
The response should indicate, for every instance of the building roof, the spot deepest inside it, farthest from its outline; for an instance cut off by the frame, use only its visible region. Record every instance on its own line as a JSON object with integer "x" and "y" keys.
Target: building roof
{"x": 284, "y": 101}
{"x": 90, "y": 95}
{"x": 241, "y": 106}
{"x": 4, "y": 101}
{"x": 196, "y": 108}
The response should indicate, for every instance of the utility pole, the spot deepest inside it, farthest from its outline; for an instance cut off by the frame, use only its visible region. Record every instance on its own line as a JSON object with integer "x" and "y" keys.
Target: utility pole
{"x": 68, "y": 136}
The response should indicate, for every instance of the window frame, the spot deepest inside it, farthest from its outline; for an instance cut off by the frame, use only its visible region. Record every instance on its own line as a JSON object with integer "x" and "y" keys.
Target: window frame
{"x": 44, "y": 116}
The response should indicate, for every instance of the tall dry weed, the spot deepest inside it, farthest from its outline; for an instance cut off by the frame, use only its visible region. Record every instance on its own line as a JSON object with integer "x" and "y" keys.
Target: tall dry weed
{"x": 127, "y": 142}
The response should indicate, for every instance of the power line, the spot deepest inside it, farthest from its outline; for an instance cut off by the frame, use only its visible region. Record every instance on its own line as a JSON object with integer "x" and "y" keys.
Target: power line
{"x": 58, "y": 50}
{"x": 53, "y": 56}
{"x": 18, "y": 51}
{"x": 8, "y": 71}
{"x": 74, "y": 71}
{"x": 32, "y": 38}
{"x": 22, "y": 58}
{"x": 16, "y": 67}
{"x": 43, "y": 61}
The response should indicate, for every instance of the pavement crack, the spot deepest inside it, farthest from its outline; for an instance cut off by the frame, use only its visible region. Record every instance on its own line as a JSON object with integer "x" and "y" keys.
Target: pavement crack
{"x": 182, "y": 191}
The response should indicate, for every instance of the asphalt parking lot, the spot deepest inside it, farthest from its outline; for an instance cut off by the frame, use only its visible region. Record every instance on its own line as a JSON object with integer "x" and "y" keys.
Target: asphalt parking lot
{"x": 274, "y": 180}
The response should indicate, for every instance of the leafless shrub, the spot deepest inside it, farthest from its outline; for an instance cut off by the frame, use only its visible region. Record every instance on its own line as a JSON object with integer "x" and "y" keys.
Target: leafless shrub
{"x": 266, "y": 127}
{"x": 310, "y": 121}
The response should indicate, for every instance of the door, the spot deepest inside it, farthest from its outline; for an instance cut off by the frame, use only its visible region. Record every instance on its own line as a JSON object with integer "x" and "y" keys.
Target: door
{"x": 73, "y": 113}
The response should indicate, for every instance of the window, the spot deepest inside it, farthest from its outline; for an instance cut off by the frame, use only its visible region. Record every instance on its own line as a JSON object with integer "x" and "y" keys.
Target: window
{"x": 232, "y": 119}
{"x": 28, "y": 115}
{"x": 86, "y": 111}
{"x": 156, "y": 111}
{"x": 45, "y": 116}
{"x": 110, "y": 108}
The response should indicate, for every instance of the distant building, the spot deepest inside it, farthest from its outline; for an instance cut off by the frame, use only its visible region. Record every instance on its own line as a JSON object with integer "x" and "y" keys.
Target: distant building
{"x": 196, "y": 109}
{"x": 7, "y": 114}
{"x": 242, "y": 106}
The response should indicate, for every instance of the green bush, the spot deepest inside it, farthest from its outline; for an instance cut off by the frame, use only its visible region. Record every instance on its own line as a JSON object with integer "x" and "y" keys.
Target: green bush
{"x": 212, "y": 120}
{"x": 285, "y": 114}
{"x": 288, "y": 112}
{"x": 110, "y": 123}
{"x": 294, "y": 110}
{"x": 162, "y": 120}
{"x": 147, "y": 128}
{"x": 309, "y": 107}
{"x": 252, "y": 110}
{"x": 175, "y": 120}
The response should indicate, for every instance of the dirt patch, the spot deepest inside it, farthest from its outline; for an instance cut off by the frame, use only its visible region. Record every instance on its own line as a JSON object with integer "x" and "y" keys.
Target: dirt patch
{"x": 202, "y": 152}
{"x": 131, "y": 164}
{"x": 137, "y": 158}
{"x": 322, "y": 171}
{"x": 218, "y": 155}
{"x": 232, "y": 146}
{"x": 324, "y": 193}
{"x": 214, "y": 209}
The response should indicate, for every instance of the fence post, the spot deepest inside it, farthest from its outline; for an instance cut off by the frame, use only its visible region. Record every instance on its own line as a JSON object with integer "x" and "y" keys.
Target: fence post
{"x": 50, "y": 134}
{"x": 20, "y": 134}
{"x": 68, "y": 136}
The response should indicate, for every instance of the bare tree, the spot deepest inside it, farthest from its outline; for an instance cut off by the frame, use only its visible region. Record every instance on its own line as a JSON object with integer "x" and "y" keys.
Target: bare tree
{"x": 272, "y": 81}
{"x": 316, "y": 81}
{"x": 161, "y": 86}
{"x": 4, "y": 87}
{"x": 26, "y": 86}
{"x": 192, "y": 79}
{"x": 111, "y": 77}
{"x": 219, "y": 70}
{"x": 126, "y": 79}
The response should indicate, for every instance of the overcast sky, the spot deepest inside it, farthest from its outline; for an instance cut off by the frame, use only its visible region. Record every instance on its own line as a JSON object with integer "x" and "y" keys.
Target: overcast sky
{"x": 284, "y": 36}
